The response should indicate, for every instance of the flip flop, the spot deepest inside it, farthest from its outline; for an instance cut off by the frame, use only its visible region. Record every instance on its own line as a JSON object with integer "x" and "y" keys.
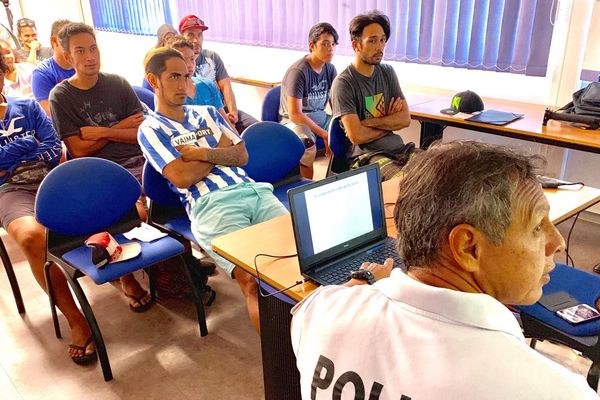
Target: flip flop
{"x": 142, "y": 307}
{"x": 84, "y": 358}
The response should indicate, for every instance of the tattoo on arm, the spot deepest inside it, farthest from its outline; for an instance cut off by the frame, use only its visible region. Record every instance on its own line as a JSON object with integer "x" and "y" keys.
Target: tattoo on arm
{"x": 229, "y": 156}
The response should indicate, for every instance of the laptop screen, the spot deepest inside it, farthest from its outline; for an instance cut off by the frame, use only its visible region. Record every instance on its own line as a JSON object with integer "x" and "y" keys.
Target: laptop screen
{"x": 336, "y": 215}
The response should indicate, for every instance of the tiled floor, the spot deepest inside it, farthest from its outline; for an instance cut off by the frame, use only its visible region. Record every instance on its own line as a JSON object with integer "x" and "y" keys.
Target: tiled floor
{"x": 159, "y": 354}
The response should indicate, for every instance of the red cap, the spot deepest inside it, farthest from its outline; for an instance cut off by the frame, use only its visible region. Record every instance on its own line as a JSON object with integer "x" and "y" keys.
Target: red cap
{"x": 191, "y": 21}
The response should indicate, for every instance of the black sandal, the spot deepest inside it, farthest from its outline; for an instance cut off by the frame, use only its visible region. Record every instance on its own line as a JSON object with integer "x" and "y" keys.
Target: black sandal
{"x": 84, "y": 358}
{"x": 142, "y": 307}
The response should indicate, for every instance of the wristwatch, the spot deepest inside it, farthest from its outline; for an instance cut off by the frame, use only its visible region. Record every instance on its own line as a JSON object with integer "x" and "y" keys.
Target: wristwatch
{"x": 363, "y": 275}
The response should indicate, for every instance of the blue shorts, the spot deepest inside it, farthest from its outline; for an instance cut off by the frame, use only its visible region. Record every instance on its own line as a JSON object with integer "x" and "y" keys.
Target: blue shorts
{"x": 230, "y": 209}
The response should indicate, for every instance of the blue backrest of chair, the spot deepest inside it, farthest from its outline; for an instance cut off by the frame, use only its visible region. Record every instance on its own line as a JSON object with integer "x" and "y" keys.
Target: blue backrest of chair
{"x": 85, "y": 196}
{"x": 146, "y": 85}
{"x": 145, "y": 96}
{"x": 157, "y": 188}
{"x": 338, "y": 143}
{"x": 270, "y": 107}
{"x": 273, "y": 151}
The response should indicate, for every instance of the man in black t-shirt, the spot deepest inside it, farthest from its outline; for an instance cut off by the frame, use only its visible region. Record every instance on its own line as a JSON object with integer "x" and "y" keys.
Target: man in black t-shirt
{"x": 366, "y": 96}
{"x": 98, "y": 115}
{"x": 305, "y": 93}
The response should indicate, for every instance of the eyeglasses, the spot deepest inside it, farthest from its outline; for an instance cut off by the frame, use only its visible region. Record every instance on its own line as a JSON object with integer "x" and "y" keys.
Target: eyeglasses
{"x": 25, "y": 22}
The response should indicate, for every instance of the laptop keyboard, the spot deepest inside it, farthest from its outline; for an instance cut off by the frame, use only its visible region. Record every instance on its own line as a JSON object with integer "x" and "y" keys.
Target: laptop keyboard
{"x": 340, "y": 273}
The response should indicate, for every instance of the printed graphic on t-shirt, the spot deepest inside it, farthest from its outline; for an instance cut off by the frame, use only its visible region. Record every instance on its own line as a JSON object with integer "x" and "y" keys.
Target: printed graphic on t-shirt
{"x": 318, "y": 94}
{"x": 10, "y": 130}
{"x": 10, "y": 133}
{"x": 191, "y": 137}
{"x": 374, "y": 106}
{"x": 207, "y": 70}
{"x": 103, "y": 118}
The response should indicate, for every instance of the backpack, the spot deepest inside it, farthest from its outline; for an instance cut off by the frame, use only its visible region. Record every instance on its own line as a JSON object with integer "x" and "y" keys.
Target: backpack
{"x": 586, "y": 101}
{"x": 171, "y": 280}
{"x": 390, "y": 164}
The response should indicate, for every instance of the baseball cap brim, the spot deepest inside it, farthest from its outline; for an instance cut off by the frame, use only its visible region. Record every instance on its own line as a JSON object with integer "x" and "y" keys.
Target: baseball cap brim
{"x": 129, "y": 251}
{"x": 201, "y": 27}
{"x": 449, "y": 111}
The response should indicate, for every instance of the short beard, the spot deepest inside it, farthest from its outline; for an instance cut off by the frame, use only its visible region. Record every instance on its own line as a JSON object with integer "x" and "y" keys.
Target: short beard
{"x": 370, "y": 61}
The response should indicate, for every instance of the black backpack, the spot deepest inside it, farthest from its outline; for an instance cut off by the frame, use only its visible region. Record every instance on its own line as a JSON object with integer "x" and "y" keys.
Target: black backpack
{"x": 390, "y": 164}
{"x": 585, "y": 101}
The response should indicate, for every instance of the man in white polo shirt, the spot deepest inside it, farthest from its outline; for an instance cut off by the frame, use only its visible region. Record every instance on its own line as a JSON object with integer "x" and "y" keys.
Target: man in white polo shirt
{"x": 474, "y": 230}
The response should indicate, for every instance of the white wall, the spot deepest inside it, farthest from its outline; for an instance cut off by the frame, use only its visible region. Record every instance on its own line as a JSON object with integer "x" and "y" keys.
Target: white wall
{"x": 592, "y": 53}
{"x": 44, "y": 13}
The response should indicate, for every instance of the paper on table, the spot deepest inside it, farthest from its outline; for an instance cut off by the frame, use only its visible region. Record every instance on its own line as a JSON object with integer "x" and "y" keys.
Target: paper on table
{"x": 144, "y": 233}
{"x": 462, "y": 115}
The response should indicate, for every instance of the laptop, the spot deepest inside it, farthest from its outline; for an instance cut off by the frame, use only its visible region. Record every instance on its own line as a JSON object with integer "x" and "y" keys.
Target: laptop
{"x": 339, "y": 223}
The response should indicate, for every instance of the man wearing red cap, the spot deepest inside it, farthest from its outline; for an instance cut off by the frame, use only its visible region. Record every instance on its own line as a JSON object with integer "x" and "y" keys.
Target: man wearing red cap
{"x": 210, "y": 66}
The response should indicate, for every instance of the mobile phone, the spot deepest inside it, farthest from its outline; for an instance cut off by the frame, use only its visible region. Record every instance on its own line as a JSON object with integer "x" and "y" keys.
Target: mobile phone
{"x": 579, "y": 313}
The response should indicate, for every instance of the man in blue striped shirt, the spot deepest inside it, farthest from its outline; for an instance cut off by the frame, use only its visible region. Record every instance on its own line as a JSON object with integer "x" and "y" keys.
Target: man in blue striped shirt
{"x": 200, "y": 155}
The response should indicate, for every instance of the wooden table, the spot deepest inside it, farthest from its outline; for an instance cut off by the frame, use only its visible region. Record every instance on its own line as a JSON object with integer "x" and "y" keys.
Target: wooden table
{"x": 255, "y": 82}
{"x": 528, "y": 128}
{"x": 277, "y": 237}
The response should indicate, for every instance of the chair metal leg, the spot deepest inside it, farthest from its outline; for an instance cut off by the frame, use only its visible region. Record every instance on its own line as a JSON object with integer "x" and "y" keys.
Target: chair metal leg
{"x": 593, "y": 376}
{"x": 196, "y": 292}
{"x": 12, "y": 278}
{"x": 50, "y": 289}
{"x": 152, "y": 279}
{"x": 533, "y": 343}
{"x": 93, "y": 324}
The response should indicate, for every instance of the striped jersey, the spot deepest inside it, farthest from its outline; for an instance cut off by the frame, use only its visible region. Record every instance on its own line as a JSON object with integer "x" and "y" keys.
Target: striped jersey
{"x": 202, "y": 126}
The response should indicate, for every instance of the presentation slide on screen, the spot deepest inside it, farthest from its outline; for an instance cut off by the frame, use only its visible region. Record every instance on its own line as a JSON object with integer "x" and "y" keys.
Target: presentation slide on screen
{"x": 339, "y": 211}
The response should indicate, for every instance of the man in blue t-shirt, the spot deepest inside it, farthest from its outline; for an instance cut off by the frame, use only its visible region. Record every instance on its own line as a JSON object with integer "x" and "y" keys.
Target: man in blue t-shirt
{"x": 210, "y": 66}
{"x": 305, "y": 93}
{"x": 200, "y": 155}
{"x": 29, "y": 148}
{"x": 52, "y": 71}
{"x": 201, "y": 91}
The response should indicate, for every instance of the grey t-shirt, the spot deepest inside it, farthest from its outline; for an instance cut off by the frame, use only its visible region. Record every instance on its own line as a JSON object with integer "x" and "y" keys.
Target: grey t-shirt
{"x": 367, "y": 97}
{"x": 303, "y": 82}
{"x": 210, "y": 66}
{"x": 111, "y": 100}
{"x": 43, "y": 53}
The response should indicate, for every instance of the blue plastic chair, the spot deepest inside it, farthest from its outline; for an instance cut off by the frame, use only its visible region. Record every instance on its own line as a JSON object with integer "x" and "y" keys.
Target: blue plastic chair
{"x": 146, "y": 85}
{"x": 541, "y": 323}
{"x": 166, "y": 212}
{"x": 85, "y": 196}
{"x": 274, "y": 154}
{"x": 338, "y": 143}
{"x": 145, "y": 96}
{"x": 270, "y": 106}
{"x": 270, "y": 110}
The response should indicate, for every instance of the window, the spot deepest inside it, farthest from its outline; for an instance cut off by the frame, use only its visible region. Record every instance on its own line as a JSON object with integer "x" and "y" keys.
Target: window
{"x": 497, "y": 35}
{"x": 140, "y": 17}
